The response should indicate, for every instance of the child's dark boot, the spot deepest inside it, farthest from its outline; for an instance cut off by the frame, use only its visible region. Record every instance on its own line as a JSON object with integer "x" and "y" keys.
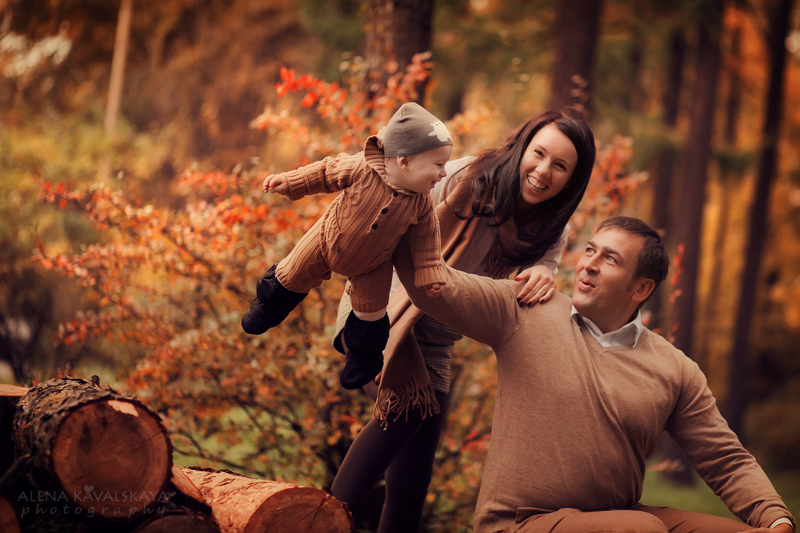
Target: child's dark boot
{"x": 272, "y": 304}
{"x": 365, "y": 342}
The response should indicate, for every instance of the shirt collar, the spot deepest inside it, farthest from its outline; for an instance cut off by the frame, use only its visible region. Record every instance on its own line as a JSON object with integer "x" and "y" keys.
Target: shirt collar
{"x": 627, "y": 335}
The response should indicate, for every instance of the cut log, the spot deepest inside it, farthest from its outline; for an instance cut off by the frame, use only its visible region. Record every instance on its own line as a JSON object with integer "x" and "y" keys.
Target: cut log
{"x": 9, "y": 396}
{"x": 9, "y": 523}
{"x": 108, "y": 453}
{"x": 245, "y": 505}
{"x": 178, "y": 521}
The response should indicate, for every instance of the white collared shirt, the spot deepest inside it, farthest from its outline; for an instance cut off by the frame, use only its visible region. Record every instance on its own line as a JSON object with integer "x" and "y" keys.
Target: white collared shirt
{"x": 627, "y": 335}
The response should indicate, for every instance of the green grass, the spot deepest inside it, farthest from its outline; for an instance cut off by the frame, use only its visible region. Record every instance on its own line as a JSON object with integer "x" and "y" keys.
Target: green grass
{"x": 701, "y": 499}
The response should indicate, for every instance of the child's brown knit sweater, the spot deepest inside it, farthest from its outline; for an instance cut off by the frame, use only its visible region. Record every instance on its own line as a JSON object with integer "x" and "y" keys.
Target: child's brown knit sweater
{"x": 361, "y": 228}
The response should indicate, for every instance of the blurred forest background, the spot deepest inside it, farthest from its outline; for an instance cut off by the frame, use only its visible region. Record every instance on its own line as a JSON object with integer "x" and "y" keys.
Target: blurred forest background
{"x": 134, "y": 135}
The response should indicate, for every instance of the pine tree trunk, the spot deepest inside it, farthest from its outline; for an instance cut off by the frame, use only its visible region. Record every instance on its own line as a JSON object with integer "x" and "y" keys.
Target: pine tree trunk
{"x": 241, "y": 504}
{"x": 107, "y": 453}
{"x": 577, "y": 26}
{"x": 737, "y": 379}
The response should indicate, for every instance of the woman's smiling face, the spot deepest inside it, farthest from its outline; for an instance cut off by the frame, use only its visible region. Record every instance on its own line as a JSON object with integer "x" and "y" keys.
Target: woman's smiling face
{"x": 547, "y": 165}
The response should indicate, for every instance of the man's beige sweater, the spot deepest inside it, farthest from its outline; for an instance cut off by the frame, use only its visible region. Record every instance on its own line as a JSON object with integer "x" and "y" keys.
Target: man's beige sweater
{"x": 574, "y": 422}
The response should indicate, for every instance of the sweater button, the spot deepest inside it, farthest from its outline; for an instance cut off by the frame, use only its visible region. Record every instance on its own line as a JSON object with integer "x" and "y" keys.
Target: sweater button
{"x": 384, "y": 211}
{"x": 374, "y": 226}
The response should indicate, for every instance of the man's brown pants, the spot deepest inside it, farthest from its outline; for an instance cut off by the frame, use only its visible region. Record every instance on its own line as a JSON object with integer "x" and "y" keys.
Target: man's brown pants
{"x": 639, "y": 519}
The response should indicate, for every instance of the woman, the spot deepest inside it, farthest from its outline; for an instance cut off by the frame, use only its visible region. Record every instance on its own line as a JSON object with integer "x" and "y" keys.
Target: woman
{"x": 506, "y": 210}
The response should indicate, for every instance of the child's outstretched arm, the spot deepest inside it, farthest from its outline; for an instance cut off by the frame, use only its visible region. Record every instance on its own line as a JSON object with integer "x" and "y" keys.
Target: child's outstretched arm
{"x": 276, "y": 183}
{"x": 332, "y": 174}
{"x": 426, "y": 252}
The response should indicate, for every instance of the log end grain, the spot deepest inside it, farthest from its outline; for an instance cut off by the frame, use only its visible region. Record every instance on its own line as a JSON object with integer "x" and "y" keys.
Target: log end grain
{"x": 245, "y": 505}
{"x": 112, "y": 456}
{"x": 300, "y": 510}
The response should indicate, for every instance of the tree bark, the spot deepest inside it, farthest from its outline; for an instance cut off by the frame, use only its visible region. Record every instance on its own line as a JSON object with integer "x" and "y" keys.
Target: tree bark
{"x": 396, "y": 29}
{"x": 242, "y": 505}
{"x": 106, "y": 452}
{"x": 577, "y": 26}
{"x": 737, "y": 381}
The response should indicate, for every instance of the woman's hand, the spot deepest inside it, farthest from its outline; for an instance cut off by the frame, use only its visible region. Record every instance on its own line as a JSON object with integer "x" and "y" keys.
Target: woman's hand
{"x": 539, "y": 288}
{"x": 277, "y": 184}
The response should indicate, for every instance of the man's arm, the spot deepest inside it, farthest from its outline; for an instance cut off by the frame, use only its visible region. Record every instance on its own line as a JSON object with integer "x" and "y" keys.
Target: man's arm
{"x": 480, "y": 308}
{"x": 716, "y": 453}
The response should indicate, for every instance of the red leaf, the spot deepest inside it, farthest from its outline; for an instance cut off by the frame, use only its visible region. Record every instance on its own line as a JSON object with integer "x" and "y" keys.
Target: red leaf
{"x": 309, "y": 100}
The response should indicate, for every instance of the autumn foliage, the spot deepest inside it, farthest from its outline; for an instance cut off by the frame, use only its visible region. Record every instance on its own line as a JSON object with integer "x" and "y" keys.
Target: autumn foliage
{"x": 171, "y": 283}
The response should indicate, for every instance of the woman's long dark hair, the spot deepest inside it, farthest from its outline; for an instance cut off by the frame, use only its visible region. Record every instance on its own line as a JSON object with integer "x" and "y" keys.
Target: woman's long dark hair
{"x": 495, "y": 189}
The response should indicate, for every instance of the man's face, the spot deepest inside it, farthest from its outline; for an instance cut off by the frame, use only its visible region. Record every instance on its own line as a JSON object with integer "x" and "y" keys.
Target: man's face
{"x": 605, "y": 291}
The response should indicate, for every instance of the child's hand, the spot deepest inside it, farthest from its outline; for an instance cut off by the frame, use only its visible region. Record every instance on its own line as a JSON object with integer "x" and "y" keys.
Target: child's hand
{"x": 434, "y": 289}
{"x": 277, "y": 184}
{"x": 540, "y": 286}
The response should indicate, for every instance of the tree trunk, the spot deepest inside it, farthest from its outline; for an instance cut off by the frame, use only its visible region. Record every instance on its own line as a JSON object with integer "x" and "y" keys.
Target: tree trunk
{"x": 241, "y": 504}
{"x": 693, "y": 193}
{"x": 116, "y": 81}
{"x": 577, "y": 28}
{"x": 737, "y": 381}
{"x": 106, "y": 452}
{"x": 396, "y": 29}
{"x": 666, "y": 158}
{"x": 730, "y": 173}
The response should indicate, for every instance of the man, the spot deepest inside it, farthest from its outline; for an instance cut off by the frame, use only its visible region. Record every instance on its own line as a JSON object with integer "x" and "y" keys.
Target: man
{"x": 584, "y": 392}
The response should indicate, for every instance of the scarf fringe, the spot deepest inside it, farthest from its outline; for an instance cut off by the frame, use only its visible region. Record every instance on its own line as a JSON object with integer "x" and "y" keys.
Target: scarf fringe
{"x": 403, "y": 398}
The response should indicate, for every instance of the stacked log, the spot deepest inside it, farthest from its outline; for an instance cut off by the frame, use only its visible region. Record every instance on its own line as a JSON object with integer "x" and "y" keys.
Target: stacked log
{"x": 91, "y": 460}
{"x": 244, "y": 505}
{"x": 108, "y": 453}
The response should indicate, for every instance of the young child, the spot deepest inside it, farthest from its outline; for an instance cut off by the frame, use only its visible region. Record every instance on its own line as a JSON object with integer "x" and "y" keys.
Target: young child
{"x": 385, "y": 195}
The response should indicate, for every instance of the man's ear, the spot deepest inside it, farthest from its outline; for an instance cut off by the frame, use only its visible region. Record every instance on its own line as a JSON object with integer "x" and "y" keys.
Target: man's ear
{"x": 402, "y": 162}
{"x": 642, "y": 289}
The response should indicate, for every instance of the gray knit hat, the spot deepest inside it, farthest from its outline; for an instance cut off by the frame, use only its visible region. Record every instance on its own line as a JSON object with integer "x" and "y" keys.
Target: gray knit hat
{"x": 413, "y": 130}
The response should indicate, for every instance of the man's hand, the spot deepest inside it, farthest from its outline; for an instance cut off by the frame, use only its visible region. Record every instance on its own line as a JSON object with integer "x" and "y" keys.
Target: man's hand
{"x": 277, "y": 184}
{"x": 539, "y": 288}
{"x": 433, "y": 290}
